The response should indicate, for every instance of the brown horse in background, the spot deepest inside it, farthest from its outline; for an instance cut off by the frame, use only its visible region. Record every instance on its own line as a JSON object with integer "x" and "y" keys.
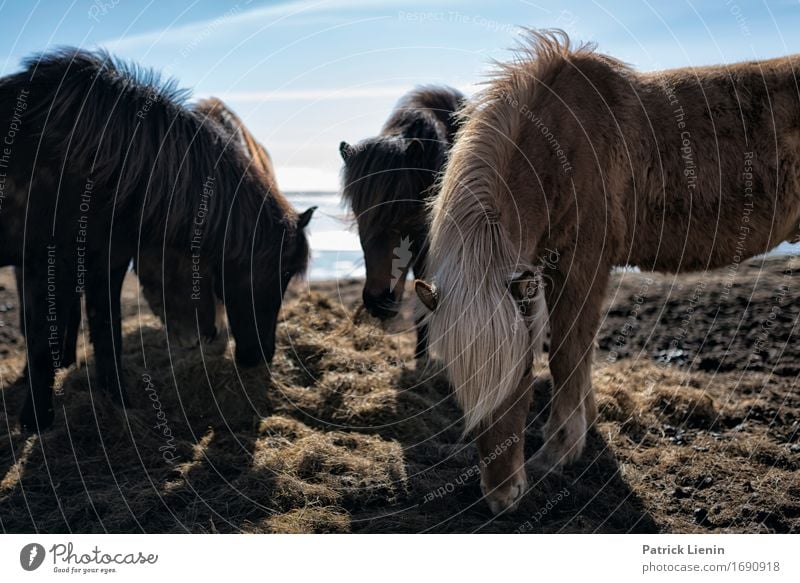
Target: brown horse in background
{"x": 571, "y": 151}
{"x": 389, "y": 181}
{"x": 168, "y": 277}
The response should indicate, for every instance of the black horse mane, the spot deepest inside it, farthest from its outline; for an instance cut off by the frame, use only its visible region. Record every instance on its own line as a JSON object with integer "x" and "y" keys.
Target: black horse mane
{"x": 387, "y": 177}
{"x": 133, "y": 135}
{"x": 440, "y": 101}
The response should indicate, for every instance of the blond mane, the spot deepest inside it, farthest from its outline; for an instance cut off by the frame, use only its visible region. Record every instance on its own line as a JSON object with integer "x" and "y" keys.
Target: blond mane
{"x": 477, "y": 330}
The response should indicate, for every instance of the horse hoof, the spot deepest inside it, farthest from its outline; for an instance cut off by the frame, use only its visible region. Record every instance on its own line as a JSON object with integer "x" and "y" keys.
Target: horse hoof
{"x": 32, "y": 421}
{"x": 506, "y": 498}
{"x": 563, "y": 442}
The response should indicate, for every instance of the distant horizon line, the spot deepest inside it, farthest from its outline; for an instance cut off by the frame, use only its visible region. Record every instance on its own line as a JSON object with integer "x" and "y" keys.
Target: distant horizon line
{"x": 310, "y": 191}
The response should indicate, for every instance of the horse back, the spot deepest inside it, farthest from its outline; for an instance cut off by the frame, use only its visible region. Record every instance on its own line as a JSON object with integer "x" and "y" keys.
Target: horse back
{"x": 717, "y": 175}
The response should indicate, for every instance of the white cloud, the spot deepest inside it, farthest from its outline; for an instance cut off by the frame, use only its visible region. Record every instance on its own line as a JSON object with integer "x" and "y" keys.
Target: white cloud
{"x": 231, "y": 19}
{"x": 238, "y": 16}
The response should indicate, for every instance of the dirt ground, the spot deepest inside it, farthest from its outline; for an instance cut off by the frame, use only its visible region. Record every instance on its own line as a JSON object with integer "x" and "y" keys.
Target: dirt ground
{"x": 697, "y": 382}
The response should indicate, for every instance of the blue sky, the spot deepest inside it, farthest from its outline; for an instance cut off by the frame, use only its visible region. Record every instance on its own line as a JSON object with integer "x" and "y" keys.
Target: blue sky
{"x": 306, "y": 74}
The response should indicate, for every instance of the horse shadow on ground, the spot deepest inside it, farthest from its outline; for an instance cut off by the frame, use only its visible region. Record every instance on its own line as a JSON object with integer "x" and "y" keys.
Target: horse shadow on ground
{"x": 179, "y": 459}
{"x": 444, "y": 488}
{"x": 208, "y": 447}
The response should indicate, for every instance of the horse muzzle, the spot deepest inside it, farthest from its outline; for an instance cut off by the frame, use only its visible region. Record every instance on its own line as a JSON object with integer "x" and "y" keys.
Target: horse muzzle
{"x": 185, "y": 340}
{"x": 383, "y": 306}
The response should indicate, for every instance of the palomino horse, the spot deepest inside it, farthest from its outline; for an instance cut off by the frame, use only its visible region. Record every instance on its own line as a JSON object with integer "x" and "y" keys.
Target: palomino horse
{"x": 388, "y": 182}
{"x": 573, "y": 151}
{"x": 106, "y": 158}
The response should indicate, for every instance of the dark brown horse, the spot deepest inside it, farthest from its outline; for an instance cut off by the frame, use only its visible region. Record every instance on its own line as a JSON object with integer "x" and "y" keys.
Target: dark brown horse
{"x": 388, "y": 182}
{"x": 167, "y": 276}
{"x": 101, "y": 158}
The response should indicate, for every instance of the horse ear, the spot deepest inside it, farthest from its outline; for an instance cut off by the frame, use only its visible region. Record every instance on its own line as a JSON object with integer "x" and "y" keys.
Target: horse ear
{"x": 305, "y": 218}
{"x": 427, "y": 293}
{"x": 346, "y": 150}
{"x": 524, "y": 287}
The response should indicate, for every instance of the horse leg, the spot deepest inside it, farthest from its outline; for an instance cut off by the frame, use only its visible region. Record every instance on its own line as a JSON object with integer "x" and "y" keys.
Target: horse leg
{"x": 421, "y": 351}
{"x": 21, "y": 299}
{"x": 574, "y": 301}
{"x": 501, "y": 447}
{"x": 70, "y": 338}
{"x": 46, "y": 317}
{"x": 103, "y": 289}
{"x": 70, "y": 354}
{"x": 419, "y": 270}
{"x": 589, "y": 407}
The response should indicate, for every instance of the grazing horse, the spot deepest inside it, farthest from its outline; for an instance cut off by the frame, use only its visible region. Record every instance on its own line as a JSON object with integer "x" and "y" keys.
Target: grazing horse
{"x": 573, "y": 152}
{"x": 388, "y": 182}
{"x": 166, "y": 274}
{"x": 102, "y": 158}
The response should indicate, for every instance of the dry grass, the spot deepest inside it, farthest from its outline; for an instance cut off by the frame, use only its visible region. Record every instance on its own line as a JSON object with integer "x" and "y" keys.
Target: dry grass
{"x": 346, "y": 435}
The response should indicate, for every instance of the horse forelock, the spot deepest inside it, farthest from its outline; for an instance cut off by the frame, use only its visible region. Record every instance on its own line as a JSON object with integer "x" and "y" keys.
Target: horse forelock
{"x": 380, "y": 187}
